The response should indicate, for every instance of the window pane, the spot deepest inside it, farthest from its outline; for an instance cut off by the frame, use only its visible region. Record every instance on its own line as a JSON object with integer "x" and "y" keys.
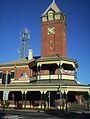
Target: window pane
{"x": 12, "y": 74}
{"x": 0, "y": 74}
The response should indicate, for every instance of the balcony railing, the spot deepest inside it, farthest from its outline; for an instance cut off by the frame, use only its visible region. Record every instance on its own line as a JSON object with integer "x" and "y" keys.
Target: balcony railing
{"x": 65, "y": 75}
{"x": 62, "y": 76}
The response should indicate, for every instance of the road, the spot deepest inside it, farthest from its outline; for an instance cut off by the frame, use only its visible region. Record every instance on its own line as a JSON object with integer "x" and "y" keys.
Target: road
{"x": 35, "y": 114}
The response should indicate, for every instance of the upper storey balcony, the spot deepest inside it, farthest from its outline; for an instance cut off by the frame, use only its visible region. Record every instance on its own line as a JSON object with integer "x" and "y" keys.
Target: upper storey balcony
{"x": 54, "y": 68}
{"x": 44, "y": 68}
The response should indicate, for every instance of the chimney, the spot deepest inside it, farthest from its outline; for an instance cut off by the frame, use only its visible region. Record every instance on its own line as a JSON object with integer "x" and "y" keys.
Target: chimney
{"x": 30, "y": 54}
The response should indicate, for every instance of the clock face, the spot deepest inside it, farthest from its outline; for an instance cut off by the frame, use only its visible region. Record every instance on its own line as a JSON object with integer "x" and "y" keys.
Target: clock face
{"x": 51, "y": 30}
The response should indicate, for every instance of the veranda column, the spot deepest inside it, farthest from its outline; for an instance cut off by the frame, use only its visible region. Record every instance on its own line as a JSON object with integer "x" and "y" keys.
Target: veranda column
{"x": 66, "y": 92}
{"x": 62, "y": 100}
{"x": 41, "y": 98}
{"x": 49, "y": 106}
{"x": 45, "y": 100}
{"x": 25, "y": 98}
{"x": 37, "y": 73}
{"x": 40, "y": 72}
{"x": 22, "y": 97}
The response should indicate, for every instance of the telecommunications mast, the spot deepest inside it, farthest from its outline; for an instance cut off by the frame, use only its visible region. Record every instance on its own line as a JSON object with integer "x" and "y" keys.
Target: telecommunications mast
{"x": 25, "y": 43}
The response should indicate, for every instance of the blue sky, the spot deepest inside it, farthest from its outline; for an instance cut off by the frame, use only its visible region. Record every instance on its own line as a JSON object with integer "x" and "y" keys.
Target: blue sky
{"x": 17, "y": 14}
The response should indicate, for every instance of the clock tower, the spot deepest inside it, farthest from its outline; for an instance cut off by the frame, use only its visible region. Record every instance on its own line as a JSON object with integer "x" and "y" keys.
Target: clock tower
{"x": 53, "y": 32}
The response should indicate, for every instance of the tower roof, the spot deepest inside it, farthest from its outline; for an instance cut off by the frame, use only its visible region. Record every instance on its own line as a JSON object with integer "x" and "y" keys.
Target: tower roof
{"x": 52, "y": 6}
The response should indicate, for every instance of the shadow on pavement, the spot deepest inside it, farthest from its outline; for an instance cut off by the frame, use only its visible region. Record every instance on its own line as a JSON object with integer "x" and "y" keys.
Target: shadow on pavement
{"x": 69, "y": 115}
{"x": 1, "y": 115}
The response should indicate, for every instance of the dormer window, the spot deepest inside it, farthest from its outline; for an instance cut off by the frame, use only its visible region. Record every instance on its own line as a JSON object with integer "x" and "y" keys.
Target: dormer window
{"x": 57, "y": 16}
{"x": 50, "y": 15}
{"x": 44, "y": 19}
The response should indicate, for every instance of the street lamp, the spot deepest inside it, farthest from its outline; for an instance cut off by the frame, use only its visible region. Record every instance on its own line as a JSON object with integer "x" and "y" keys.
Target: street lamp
{"x": 59, "y": 76}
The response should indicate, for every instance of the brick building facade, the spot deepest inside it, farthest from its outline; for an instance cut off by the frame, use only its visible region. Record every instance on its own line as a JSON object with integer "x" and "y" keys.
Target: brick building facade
{"x": 41, "y": 81}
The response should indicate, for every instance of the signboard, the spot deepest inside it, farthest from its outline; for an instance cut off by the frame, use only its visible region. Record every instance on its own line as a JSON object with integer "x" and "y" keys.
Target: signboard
{"x": 5, "y": 95}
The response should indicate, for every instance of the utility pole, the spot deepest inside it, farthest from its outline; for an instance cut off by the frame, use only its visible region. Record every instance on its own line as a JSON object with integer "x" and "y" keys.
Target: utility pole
{"x": 5, "y": 93}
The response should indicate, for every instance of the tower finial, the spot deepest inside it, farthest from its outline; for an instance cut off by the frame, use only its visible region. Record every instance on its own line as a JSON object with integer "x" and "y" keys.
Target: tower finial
{"x": 53, "y": 1}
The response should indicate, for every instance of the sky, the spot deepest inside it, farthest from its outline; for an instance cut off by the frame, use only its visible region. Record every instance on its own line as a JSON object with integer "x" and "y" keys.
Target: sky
{"x": 18, "y": 14}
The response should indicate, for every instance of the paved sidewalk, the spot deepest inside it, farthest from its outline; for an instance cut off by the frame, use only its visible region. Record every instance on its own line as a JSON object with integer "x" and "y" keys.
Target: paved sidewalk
{"x": 17, "y": 113}
{"x": 74, "y": 114}
{"x": 12, "y": 117}
{"x": 70, "y": 114}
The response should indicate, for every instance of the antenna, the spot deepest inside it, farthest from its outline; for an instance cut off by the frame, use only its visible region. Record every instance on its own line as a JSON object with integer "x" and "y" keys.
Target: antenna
{"x": 25, "y": 41}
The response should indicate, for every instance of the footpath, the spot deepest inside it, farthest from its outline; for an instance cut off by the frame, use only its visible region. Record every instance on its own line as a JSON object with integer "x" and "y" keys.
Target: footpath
{"x": 73, "y": 114}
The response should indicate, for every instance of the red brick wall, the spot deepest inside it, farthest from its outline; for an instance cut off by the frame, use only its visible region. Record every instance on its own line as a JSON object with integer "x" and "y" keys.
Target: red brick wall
{"x": 6, "y": 69}
{"x": 18, "y": 71}
{"x": 58, "y": 39}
